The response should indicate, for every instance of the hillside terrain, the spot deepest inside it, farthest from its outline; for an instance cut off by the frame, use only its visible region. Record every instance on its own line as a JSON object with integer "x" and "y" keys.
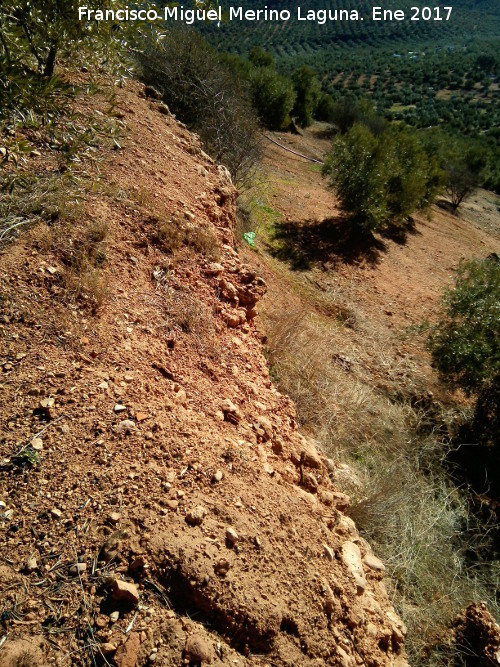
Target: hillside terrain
{"x": 159, "y": 504}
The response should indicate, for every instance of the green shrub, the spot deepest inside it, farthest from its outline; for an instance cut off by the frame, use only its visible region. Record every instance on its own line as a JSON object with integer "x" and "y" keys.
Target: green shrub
{"x": 382, "y": 179}
{"x": 260, "y": 58}
{"x": 308, "y": 90}
{"x": 325, "y": 108}
{"x": 273, "y": 97}
{"x": 465, "y": 345}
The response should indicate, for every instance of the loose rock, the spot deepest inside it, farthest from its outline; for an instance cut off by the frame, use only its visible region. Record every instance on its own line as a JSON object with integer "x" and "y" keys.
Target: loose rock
{"x": 310, "y": 457}
{"x": 197, "y": 649}
{"x": 124, "y": 592}
{"x": 374, "y": 563}
{"x": 37, "y": 444}
{"x": 264, "y": 428}
{"x": 231, "y": 412}
{"x": 351, "y": 557}
{"x": 195, "y": 516}
{"x": 231, "y": 536}
{"x": 126, "y": 426}
{"x": 107, "y": 648}
{"x": 328, "y": 552}
{"x": 47, "y": 407}
{"x": 31, "y": 565}
{"x": 126, "y": 654}
{"x": 221, "y": 568}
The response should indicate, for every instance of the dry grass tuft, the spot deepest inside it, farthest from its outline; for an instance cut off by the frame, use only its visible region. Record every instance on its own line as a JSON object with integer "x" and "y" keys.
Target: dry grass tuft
{"x": 186, "y": 314}
{"x": 27, "y": 659}
{"x": 173, "y": 231}
{"x": 27, "y": 201}
{"x": 81, "y": 249}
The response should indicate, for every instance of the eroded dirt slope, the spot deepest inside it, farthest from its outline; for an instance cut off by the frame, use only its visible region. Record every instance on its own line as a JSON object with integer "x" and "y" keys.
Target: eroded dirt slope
{"x": 159, "y": 505}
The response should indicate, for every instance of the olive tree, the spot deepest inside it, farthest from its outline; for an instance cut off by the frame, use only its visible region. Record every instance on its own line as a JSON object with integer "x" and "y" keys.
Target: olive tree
{"x": 34, "y": 32}
{"x": 381, "y": 179}
{"x": 465, "y": 343}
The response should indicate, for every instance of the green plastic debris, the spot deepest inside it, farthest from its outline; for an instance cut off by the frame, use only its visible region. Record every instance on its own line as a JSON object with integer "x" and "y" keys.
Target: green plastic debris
{"x": 249, "y": 237}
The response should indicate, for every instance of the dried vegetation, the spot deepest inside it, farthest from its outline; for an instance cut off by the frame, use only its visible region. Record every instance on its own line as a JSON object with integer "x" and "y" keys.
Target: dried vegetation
{"x": 395, "y": 437}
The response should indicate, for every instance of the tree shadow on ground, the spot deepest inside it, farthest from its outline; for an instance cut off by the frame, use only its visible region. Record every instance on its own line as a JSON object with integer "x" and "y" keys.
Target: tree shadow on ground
{"x": 324, "y": 132}
{"x": 399, "y": 234}
{"x": 329, "y": 242}
{"x": 446, "y": 205}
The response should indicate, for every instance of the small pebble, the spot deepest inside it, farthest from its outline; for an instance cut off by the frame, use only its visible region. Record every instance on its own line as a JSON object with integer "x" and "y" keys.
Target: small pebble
{"x": 231, "y": 535}
{"x": 31, "y": 564}
{"x": 328, "y": 552}
{"x": 37, "y": 444}
{"x": 195, "y": 516}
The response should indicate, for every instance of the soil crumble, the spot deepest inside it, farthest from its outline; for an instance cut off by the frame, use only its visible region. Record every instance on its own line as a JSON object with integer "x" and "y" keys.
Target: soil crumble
{"x": 159, "y": 504}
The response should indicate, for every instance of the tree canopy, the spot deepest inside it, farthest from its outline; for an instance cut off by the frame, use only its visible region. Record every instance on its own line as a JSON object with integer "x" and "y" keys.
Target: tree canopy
{"x": 383, "y": 178}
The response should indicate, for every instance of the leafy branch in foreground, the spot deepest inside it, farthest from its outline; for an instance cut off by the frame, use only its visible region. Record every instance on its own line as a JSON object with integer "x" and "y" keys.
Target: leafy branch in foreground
{"x": 32, "y": 35}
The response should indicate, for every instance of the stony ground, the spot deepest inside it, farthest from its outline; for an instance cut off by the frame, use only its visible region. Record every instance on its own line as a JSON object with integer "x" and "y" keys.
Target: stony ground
{"x": 158, "y": 503}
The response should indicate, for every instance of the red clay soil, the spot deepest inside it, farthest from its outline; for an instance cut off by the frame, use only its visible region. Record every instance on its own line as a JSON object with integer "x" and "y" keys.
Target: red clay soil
{"x": 168, "y": 511}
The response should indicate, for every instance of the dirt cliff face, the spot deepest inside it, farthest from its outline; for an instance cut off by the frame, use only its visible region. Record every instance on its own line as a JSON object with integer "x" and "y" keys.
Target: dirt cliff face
{"x": 159, "y": 504}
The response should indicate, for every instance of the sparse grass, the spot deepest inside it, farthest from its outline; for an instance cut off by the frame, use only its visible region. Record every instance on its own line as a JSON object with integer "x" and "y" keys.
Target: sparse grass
{"x": 173, "y": 231}
{"x": 88, "y": 286}
{"x": 254, "y": 212}
{"x": 81, "y": 250}
{"x": 27, "y": 659}
{"x": 185, "y": 314}
{"x": 414, "y": 517}
{"x": 31, "y": 200}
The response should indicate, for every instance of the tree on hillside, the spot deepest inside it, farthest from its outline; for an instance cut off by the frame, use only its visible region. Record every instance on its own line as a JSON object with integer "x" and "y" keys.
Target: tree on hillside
{"x": 381, "y": 179}
{"x": 202, "y": 90}
{"x": 308, "y": 90}
{"x": 345, "y": 114}
{"x": 465, "y": 344}
{"x": 325, "y": 108}
{"x": 461, "y": 182}
{"x": 260, "y": 58}
{"x": 273, "y": 97}
{"x": 32, "y": 34}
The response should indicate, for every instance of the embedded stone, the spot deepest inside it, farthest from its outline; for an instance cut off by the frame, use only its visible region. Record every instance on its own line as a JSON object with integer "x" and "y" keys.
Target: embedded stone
{"x": 351, "y": 557}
